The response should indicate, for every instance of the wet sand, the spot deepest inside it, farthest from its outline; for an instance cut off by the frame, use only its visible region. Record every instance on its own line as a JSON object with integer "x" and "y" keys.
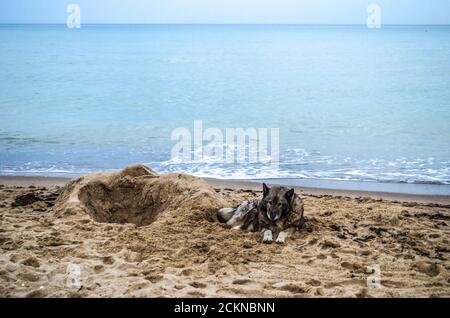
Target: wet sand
{"x": 25, "y": 181}
{"x": 185, "y": 253}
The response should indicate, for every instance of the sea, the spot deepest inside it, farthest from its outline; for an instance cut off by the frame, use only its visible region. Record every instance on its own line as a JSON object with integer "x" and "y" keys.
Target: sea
{"x": 350, "y": 103}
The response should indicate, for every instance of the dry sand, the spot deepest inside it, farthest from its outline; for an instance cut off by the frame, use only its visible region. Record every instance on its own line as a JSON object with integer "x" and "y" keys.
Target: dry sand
{"x": 178, "y": 249}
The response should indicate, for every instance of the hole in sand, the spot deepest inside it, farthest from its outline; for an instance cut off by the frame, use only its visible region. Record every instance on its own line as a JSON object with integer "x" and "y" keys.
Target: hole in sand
{"x": 140, "y": 196}
{"x": 121, "y": 203}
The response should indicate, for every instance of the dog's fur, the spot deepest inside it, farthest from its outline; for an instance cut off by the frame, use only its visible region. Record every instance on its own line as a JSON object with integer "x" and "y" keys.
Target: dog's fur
{"x": 279, "y": 212}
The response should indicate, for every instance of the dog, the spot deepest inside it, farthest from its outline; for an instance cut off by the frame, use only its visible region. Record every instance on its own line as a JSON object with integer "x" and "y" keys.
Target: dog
{"x": 279, "y": 212}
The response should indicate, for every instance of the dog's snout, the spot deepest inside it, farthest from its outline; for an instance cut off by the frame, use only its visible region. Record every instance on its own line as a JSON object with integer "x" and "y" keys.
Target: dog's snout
{"x": 272, "y": 215}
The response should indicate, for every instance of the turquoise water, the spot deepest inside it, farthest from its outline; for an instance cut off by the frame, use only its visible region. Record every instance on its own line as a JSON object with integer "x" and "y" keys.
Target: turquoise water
{"x": 351, "y": 103}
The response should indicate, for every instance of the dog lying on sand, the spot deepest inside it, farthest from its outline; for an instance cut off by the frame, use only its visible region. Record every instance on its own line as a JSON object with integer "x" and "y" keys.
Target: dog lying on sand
{"x": 279, "y": 212}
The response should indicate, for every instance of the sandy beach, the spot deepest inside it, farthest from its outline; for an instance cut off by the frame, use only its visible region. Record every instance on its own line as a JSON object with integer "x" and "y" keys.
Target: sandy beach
{"x": 137, "y": 142}
{"x": 183, "y": 251}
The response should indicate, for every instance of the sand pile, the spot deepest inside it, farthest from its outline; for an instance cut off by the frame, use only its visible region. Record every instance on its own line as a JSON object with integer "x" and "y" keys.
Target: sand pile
{"x": 137, "y": 195}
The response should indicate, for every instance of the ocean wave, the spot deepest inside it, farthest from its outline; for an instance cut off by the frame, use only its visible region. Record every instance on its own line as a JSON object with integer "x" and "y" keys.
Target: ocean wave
{"x": 303, "y": 164}
{"x": 267, "y": 172}
{"x": 294, "y": 163}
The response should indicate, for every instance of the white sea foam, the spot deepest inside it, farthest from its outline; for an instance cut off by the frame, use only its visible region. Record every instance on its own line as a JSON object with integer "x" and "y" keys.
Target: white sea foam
{"x": 295, "y": 163}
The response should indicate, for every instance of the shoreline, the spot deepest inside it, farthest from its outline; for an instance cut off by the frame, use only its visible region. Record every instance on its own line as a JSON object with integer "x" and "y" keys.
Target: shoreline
{"x": 255, "y": 185}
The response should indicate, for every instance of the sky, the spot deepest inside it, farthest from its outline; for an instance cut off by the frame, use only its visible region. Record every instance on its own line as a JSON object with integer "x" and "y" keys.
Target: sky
{"x": 227, "y": 11}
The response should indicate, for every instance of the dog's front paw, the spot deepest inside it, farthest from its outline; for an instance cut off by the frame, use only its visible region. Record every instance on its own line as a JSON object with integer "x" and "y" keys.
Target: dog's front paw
{"x": 267, "y": 237}
{"x": 281, "y": 238}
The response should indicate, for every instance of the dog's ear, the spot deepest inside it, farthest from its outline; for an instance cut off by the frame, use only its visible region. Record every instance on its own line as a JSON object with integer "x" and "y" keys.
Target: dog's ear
{"x": 289, "y": 194}
{"x": 265, "y": 189}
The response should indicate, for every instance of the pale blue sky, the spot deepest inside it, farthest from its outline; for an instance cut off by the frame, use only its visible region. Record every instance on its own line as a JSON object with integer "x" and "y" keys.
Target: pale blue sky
{"x": 226, "y": 11}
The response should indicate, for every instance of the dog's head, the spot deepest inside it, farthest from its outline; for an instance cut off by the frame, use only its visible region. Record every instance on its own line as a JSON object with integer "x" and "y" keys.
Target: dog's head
{"x": 276, "y": 202}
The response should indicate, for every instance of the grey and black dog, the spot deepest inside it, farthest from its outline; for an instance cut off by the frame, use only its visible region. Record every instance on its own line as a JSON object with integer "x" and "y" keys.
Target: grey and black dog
{"x": 279, "y": 212}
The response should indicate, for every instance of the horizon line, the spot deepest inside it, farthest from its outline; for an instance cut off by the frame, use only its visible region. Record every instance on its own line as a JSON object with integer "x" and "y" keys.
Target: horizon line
{"x": 293, "y": 24}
